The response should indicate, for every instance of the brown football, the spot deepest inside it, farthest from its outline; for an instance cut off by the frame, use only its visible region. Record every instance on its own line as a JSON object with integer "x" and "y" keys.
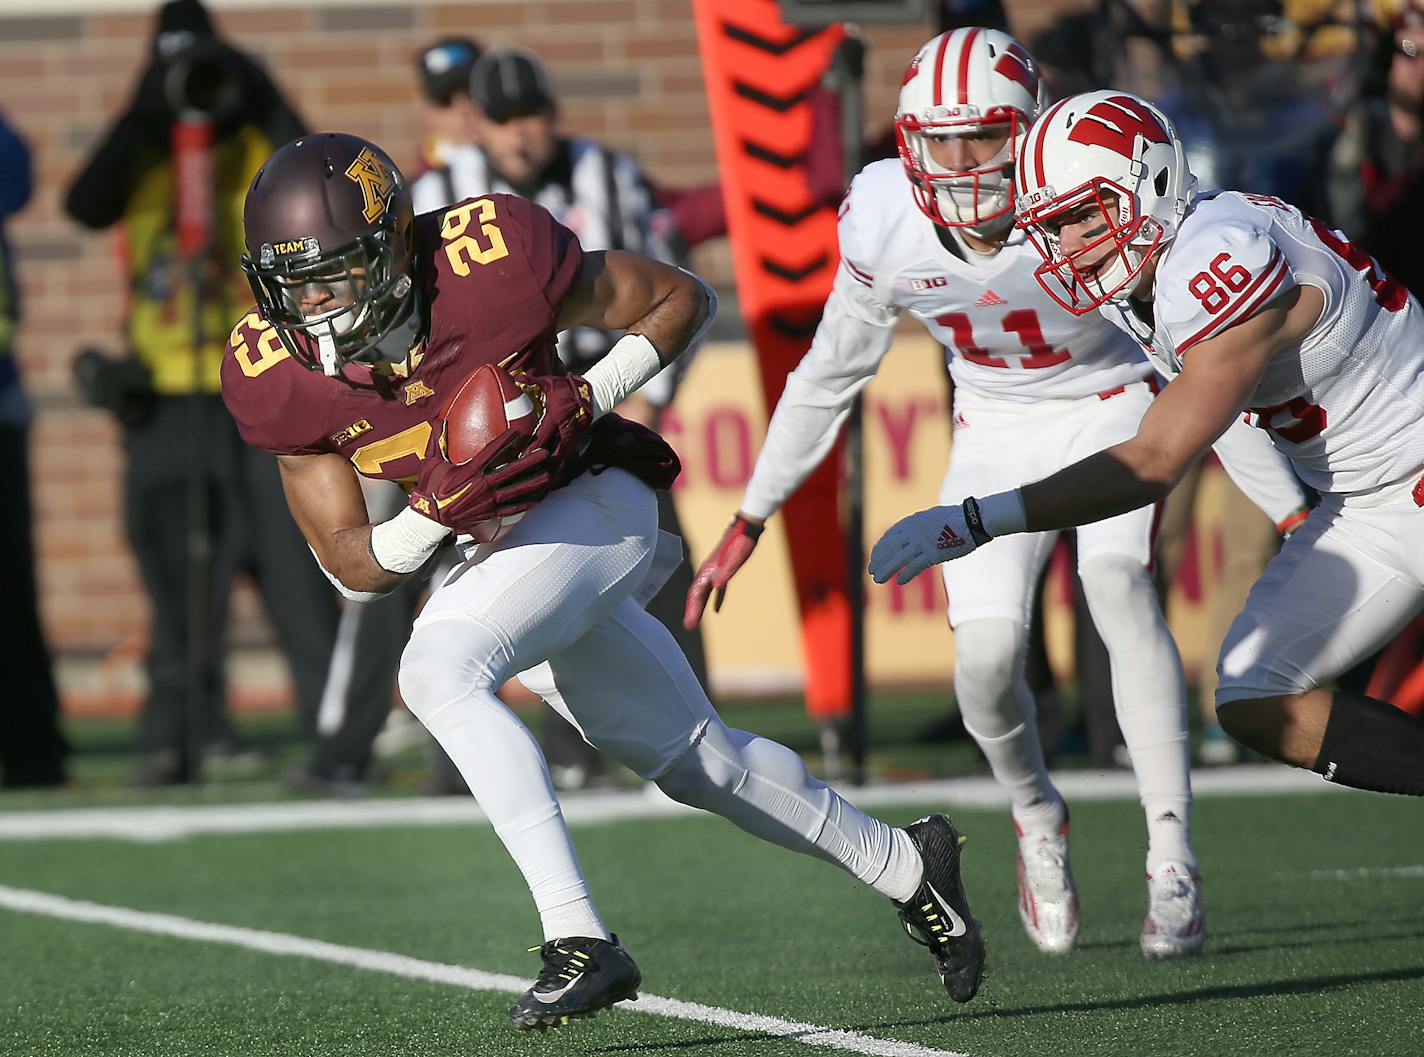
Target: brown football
{"x": 486, "y": 404}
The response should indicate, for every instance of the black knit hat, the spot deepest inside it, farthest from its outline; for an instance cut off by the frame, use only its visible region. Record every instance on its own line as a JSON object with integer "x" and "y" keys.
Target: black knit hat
{"x": 510, "y": 82}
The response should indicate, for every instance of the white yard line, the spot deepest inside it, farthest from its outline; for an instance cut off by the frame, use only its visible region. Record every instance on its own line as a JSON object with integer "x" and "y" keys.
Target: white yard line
{"x": 28, "y": 901}
{"x": 174, "y": 822}
{"x": 1361, "y": 873}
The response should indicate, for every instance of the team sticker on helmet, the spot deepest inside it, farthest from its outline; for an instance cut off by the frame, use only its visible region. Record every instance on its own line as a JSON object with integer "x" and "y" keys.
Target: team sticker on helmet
{"x": 303, "y": 247}
{"x": 375, "y": 179}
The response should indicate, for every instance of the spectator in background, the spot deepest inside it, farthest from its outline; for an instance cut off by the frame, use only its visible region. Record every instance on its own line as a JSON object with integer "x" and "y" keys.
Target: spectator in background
{"x": 129, "y": 182}
{"x": 1376, "y": 186}
{"x": 447, "y": 112}
{"x": 32, "y": 749}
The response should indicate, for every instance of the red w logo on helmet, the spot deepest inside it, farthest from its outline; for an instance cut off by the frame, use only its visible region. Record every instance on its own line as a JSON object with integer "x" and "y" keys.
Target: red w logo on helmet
{"x": 1116, "y": 123}
{"x": 1016, "y": 65}
{"x": 910, "y": 71}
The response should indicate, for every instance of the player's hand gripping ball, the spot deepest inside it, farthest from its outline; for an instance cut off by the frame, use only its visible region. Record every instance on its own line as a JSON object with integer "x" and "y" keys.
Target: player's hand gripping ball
{"x": 488, "y": 424}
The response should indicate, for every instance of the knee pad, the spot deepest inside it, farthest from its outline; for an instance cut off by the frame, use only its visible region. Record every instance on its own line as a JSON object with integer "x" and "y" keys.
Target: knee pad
{"x": 447, "y": 660}
{"x": 1117, "y": 584}
{"x": 988, "y": 658}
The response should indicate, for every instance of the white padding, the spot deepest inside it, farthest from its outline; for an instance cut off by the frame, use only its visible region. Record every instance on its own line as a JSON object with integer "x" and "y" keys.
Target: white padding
{"x": 346, "y": 592}
{"x": 402, "y": 544}
{"x": 629, "y": 365}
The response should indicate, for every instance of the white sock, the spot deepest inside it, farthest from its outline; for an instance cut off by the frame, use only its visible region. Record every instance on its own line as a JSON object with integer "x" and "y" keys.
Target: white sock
{"x": 764, "y": 788}
{"x": 505, "y": 770}
{"x": 1150, "y": 696}
{"x": 1046, "y": 817}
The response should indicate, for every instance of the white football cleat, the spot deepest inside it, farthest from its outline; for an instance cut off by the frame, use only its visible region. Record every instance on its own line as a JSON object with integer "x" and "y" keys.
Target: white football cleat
{"x": 1048, "y": 902}
{"x": 1175, "y": 925}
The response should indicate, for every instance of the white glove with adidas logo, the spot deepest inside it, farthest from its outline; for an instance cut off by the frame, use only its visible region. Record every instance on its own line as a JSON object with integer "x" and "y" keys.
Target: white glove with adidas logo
{"x": 914, "y": 543}
{"x": 943, "y": 533}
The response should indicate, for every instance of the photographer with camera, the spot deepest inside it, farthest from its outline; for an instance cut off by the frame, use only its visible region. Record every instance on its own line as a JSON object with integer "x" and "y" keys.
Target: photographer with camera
{"x": 200, "y": 505}
{"x": 32, "y": 749}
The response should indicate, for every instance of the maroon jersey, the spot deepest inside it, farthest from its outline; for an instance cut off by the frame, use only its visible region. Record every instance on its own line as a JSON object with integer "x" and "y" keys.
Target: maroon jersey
{"x": 493, "y": 270}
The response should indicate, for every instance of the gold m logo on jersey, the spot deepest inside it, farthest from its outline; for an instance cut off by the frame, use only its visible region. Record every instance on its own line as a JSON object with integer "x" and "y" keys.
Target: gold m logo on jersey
{"x": 417, "y": 391}
{"x": 375, "y": 179}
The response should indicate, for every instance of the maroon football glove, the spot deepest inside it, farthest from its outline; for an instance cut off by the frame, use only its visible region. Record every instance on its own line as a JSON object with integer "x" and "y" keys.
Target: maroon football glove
{"x": 496, "y": 483}
{"x": 566, "y": 403}
{"x": 733, "y": 550}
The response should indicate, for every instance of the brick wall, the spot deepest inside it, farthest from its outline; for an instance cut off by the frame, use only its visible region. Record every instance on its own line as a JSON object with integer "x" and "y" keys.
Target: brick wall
{"x": 628, "y": 73}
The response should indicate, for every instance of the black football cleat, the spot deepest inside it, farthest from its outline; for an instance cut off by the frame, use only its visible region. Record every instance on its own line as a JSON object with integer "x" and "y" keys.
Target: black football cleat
{"x": 581, "y": 976}
{"x": 937, "y": 915}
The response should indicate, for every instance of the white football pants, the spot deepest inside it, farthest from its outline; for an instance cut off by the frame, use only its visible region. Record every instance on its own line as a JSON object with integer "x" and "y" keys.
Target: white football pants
{"x": 1341, "y": 588}
{"x": 1000, "y": 445}
{"x": 553, "y": 602}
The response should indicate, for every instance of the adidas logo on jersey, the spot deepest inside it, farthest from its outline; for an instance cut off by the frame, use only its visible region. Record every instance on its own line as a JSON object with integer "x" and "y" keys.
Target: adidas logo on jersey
{"x": 948, "y": 538}
{"x": 989, "y": 300}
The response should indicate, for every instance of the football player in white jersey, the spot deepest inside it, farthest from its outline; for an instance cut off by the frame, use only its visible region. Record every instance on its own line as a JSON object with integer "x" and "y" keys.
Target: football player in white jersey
{"x": 1252, "y": 307}
{"x": 1035, "y": 388}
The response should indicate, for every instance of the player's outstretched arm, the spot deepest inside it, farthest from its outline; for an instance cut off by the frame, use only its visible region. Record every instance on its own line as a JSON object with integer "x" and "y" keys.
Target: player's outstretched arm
{"x": 851, "y": 341}
{"x": 1215, "y": 385}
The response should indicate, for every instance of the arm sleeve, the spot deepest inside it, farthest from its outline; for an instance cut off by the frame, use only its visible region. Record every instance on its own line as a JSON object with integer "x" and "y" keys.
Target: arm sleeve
{"x": 1260, "y": 471}
{"x": 853, "y": 337}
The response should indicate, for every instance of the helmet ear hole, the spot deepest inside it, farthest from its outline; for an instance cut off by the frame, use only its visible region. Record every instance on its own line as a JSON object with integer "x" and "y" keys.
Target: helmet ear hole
{"x": 1160, "y": 184}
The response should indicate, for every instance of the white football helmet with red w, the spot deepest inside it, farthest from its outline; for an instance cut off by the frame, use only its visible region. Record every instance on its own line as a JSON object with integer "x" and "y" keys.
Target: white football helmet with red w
{"x": 1113, "y": 152}
{"x": 967, "y": 82}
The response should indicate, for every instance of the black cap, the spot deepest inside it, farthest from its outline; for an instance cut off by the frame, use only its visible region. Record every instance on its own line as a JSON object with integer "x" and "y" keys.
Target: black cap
{"x": 445, "y": 67}
{"x": 181, "y": 23}
{"x": 510, "y": 83}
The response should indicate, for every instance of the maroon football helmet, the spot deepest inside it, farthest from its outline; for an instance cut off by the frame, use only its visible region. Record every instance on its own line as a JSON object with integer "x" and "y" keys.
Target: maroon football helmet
{"x": 328, "y": 231}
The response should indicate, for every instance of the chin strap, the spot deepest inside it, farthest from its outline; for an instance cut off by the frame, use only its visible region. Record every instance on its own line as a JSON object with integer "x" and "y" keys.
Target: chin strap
{"x": 326, "y": 345}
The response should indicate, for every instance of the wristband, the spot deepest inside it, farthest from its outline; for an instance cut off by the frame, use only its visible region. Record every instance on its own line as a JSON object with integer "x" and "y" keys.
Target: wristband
{"x": 630, "y": 364}
{"x": 1292, "y": 521}
{"x": 974, "y": 521}
{"x": 402, "y": 544}
{"x": 750, "y": 529}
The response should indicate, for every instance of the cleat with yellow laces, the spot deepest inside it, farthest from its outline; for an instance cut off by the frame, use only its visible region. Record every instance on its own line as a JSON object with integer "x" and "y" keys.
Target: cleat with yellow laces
{"x": 937, "y": 915}
{"x": 581, "y": 976}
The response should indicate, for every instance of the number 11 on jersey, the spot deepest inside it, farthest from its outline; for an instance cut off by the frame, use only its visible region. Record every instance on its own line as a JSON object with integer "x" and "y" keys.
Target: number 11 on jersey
{"x": 1021, "y": 322}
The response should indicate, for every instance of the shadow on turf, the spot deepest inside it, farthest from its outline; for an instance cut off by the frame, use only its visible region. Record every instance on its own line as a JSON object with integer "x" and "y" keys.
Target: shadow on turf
{"x": 1304, "y": 985}
{"x": 1215, "y": 947}
{"x": 1307, "y": 985}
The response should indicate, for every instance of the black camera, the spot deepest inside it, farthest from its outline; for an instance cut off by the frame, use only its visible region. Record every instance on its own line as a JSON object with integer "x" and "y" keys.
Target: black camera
{"x": 122, "y": 387}
{"x": 205, "y": 78}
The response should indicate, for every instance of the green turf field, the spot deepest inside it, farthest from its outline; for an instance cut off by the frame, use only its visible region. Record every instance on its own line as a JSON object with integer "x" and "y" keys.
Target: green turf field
{"x": 1300, "y": 960}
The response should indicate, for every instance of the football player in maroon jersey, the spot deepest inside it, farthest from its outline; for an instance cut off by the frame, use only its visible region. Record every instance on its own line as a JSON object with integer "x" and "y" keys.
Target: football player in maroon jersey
{"x": 367, "y": 319}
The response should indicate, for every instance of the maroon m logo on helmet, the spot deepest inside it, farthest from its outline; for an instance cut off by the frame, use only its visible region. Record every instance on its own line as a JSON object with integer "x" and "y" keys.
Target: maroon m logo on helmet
{"x": 1116, "y": 123}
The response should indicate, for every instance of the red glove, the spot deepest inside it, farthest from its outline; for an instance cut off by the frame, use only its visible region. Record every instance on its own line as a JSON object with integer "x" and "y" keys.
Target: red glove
{"x": 566, "y": 405}
{"x": 732, "y": 552}
{"x": 461, "y": 495}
